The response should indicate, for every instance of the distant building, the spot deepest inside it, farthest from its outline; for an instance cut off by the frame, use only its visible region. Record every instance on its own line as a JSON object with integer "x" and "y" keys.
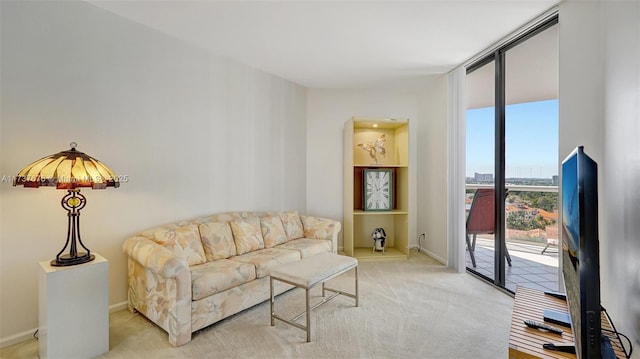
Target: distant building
{"x": 554, "y": 180}
{"x": 483, "y": 177}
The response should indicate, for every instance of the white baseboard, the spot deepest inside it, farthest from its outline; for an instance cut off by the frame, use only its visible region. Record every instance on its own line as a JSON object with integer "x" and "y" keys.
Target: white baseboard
{"x": 28, "y": 334}
{"x": 117, "y": 307}
{"x": 17, "y": 338}
{"x": 434, "y": 256}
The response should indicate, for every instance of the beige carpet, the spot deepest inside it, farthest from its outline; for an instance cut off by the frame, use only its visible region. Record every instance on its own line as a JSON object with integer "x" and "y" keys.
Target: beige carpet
{"x": 408, "y": 309}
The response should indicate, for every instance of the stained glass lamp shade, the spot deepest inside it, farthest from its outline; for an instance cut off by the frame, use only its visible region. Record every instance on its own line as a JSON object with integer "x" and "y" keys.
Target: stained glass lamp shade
{"x": 69, "y": 170}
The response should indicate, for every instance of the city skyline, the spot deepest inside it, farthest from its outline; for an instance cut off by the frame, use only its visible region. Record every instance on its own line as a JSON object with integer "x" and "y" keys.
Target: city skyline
{"x": 531, "y": 140}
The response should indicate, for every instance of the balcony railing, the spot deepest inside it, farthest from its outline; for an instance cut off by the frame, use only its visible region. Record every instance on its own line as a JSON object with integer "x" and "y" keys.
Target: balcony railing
{"x": 534, "y": 252}
{"x": 515, "y": 188}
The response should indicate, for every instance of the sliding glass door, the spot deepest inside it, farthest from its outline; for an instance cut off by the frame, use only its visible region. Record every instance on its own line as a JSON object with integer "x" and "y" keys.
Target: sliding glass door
{"x": 512, "y": 151}
{"x": 480, "y": 171}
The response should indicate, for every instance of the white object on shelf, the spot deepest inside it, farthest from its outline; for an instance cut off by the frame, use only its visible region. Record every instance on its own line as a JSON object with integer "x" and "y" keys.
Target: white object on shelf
{"x": 74, "y": 309}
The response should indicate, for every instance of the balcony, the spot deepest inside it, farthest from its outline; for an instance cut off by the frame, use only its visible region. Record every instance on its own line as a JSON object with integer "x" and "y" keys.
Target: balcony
{"x": 530, "y": 266}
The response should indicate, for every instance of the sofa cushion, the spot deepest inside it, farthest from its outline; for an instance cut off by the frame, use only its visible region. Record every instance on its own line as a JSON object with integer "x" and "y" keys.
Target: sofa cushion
{"x": 247, "y": 234}
{"x": 183, "y": 241}
{"x": 217, "y": 276}
{"x": 265, "y": 259}
{"x": 292, "y": 224}
{"x": 217, "y": 240}
{"x": 272, "y": 231}
{"x": 319, "y": 228}
{"x": 308, "y": 247}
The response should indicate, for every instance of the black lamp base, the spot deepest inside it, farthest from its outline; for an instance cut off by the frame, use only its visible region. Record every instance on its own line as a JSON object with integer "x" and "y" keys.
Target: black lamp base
{"x": 69, "y": 260}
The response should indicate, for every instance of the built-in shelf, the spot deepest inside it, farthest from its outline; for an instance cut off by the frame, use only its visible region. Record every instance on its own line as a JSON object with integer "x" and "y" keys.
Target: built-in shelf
{"x": 358, "y": 222}
{"x": 369, "y": 213}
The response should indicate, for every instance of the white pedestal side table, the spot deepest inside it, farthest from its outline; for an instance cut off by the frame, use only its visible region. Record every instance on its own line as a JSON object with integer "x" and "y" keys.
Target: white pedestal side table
{"x": 74, "y": 309}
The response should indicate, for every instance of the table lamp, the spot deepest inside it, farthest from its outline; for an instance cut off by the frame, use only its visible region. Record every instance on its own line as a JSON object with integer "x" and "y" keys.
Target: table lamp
{"x": 69, "y": 170}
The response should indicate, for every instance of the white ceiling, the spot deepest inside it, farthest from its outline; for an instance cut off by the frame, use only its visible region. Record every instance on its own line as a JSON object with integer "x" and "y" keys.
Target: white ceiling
{"x": 338, "y": 44}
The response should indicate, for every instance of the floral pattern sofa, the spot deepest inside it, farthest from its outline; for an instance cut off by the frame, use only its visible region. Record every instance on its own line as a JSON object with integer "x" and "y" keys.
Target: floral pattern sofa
{"x": 189, "y": 275}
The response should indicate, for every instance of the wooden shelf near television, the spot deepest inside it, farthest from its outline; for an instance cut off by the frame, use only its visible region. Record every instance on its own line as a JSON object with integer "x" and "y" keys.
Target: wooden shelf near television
{"x": 526, "y": 343}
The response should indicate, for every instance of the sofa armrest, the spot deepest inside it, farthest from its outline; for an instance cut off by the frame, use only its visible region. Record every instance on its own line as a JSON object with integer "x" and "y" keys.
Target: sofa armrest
{"x": 154, "y": 257}
{"x": 159, "y": 287}
{"x": 322, "y": 228}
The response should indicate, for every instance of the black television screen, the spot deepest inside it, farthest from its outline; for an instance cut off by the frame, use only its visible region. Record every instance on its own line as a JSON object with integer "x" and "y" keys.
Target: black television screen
{"x": 580, "y": 251}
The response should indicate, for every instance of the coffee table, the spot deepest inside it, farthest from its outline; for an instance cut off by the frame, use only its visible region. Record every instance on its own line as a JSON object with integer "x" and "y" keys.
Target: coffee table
{"x": 307, "y": 273}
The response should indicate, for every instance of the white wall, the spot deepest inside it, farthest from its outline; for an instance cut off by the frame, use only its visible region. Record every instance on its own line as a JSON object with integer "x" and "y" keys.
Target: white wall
{"x": 327, "y": 112}
{"x": 194, "y": 133}
{"x": 433, "y": 180}
{"x": 622, "y": 158}
{"x": 600, "y": 109}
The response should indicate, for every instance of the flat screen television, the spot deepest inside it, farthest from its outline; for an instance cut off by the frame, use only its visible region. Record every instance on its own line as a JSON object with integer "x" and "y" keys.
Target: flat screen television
{"x": 580, "y": 251}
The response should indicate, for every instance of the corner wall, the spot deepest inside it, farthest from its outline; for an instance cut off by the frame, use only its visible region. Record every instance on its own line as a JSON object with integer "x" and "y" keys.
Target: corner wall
{"x": 433, "y": 178}
{"x": 600, "y": 109}
{"x": 621, "y": 286}
{"x": 194, "y": 134}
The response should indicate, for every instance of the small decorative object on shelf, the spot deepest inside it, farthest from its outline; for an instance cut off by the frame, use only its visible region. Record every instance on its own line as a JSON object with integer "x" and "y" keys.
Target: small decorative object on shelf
{"x": 379, "y": 236}
{"x": 378, "y": 189}
{"x": 375, "y": 148}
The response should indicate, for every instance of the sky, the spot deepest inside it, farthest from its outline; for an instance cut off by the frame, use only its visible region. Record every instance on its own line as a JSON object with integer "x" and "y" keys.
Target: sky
{"x": 531, "y": 140}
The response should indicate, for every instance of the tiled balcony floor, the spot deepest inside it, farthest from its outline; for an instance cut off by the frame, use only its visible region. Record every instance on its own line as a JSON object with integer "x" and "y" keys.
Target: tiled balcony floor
{"x": 529, "y": 268}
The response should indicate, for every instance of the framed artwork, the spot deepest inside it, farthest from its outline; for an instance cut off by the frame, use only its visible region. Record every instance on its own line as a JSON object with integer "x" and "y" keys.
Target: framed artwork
{"x": 378, "y": 189}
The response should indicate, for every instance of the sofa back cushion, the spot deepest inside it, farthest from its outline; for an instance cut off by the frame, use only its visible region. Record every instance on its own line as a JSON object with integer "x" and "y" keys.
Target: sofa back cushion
{"x": 317, "y": 227}
{"x": 183, "y": 241}
{"x": 272, "y": 231}
{"x": 217, "y": 240}
{"x": 247, "y": 234}
{"x": 292, "y": 224}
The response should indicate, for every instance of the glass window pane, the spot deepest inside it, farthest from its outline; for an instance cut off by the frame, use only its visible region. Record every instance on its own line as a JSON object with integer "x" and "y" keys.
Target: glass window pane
{"x": 480, "y": 168}
{"x": 531, "y": 161}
